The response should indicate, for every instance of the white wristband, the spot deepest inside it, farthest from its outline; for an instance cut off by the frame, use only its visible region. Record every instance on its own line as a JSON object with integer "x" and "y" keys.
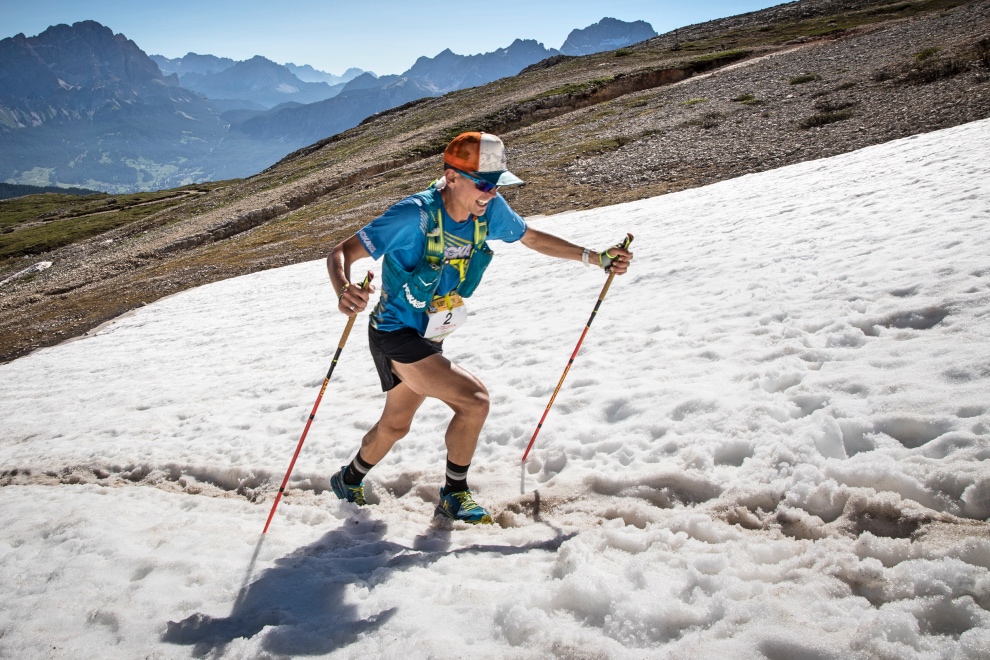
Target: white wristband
{"x": 585, "y": 257}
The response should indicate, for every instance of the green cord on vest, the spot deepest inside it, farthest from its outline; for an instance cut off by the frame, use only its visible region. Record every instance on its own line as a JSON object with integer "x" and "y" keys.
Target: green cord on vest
{"x": 435, "y": 244}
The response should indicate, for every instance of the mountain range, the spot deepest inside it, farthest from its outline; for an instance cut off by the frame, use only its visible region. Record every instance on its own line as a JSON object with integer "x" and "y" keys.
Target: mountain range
{"x": 367, "y": 95}
{"x": 192, "y": 63}
{"x": 257, "y": 80}
{"x": 82, "y": 106}
{"x": 307, "y": 73}
{"x": 257, "y": 83}
{"x": 705, "y": 103}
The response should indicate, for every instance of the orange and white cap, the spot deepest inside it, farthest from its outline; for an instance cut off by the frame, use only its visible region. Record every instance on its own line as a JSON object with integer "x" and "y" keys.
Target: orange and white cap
{"x": 481, "y": 155}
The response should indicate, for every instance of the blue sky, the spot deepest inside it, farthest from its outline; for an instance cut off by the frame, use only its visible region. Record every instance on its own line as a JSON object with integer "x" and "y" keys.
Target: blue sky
{"x": 384, "y": 36}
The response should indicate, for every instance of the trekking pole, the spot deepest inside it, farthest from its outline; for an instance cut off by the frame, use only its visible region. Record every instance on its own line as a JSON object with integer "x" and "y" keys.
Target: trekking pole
{"x": 601, "y": 297}
{"x": 312, "y": 415}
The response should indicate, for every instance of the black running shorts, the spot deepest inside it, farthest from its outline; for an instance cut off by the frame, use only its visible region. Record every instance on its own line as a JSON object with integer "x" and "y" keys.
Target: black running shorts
{"x": 404, "y": 346}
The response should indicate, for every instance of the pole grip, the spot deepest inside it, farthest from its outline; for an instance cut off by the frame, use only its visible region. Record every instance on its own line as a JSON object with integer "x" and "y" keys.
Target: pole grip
{"x": 624, "y": 245}
{"x": 350, "y": 322}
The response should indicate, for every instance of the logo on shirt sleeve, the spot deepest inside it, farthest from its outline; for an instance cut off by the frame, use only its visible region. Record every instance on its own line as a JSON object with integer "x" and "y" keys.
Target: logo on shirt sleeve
{"x": 368, "y": 243}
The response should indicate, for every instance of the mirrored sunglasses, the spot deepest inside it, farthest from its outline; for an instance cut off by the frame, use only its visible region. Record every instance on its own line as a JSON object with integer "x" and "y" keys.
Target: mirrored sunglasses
{"x": 480, "y": 184}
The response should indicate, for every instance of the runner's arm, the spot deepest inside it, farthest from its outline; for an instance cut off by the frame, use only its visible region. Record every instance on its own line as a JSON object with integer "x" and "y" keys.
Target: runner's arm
{"x": 350, "y": 299}
{"x": 554, "y": 246}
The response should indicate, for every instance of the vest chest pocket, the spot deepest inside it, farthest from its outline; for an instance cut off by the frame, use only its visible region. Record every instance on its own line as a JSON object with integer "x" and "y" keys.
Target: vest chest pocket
{"x": 472, "y": 276}
{"x": 417, "y": 287}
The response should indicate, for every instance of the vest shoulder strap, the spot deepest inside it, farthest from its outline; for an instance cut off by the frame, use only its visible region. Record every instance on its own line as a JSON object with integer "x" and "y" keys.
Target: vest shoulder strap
{"x": 432, "y": 225}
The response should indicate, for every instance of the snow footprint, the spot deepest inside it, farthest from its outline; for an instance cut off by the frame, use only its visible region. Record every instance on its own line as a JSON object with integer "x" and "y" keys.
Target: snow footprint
{"x": 913, "y": 432}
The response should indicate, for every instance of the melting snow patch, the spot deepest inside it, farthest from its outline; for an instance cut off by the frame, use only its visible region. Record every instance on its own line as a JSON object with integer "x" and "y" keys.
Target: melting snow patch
{"x": 769, "y": 446}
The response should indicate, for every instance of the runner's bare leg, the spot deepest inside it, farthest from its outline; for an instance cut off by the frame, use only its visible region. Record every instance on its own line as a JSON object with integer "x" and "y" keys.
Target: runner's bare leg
{"x": 439, "y": 378}
{"x": 401, "y": 404}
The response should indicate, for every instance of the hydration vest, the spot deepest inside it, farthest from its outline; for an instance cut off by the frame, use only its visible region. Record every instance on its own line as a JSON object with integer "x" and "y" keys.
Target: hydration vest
{"x": 416, "y": 289}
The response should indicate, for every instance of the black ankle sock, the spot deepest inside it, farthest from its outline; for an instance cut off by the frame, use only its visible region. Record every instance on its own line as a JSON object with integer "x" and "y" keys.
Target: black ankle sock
{"x": 356, "y": 471}
{"x": 456, "y": 477}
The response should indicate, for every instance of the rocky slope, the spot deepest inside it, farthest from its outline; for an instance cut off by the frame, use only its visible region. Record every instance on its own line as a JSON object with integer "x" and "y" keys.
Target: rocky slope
{"x": 703, "y": 104}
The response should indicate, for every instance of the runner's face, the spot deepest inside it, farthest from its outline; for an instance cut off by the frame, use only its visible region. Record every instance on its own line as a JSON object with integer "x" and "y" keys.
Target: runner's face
{"x": 473, "y": 199}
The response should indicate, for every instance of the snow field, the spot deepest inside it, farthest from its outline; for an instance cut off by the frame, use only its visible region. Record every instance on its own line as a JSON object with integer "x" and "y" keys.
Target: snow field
{"x": 774, "y": 443}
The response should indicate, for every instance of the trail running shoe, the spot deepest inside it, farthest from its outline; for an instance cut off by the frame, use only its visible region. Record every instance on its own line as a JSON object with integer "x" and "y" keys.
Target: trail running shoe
{"x": 461, "y": 506}
{"x": 345, "y": 491}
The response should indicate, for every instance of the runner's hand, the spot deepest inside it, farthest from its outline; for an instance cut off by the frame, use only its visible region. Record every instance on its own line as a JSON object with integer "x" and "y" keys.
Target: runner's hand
{"x": 353, "y": 299}
{"x": 615, "y": 259}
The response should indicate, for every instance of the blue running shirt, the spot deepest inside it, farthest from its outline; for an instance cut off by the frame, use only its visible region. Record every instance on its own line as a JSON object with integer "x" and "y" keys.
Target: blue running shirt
{"x": 401, "y": 232}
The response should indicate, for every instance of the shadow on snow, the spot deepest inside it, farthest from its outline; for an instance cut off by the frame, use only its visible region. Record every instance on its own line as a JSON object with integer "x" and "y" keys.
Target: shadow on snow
{"x": 301, "y": 600}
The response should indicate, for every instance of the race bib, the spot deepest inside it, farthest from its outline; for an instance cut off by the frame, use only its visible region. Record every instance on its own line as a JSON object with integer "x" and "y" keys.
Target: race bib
{"x": 445, "y": 314}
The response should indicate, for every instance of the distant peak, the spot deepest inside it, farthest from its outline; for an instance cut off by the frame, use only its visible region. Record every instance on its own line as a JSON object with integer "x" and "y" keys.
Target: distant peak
{"x": 607, "y": 34}
{"x": 90, "y": 25}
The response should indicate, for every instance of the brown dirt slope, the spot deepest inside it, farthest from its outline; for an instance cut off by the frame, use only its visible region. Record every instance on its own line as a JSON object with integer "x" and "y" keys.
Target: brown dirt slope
{"x": 701, "y": 104}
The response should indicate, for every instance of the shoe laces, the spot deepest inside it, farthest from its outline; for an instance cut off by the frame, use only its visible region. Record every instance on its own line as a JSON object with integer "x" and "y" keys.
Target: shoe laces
{"x": 466, "y": 501}
{"x": 358, "y": 493}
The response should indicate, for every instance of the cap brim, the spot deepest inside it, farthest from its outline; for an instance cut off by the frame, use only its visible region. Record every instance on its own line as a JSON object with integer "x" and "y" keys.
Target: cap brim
{"x": 503, "y": 178}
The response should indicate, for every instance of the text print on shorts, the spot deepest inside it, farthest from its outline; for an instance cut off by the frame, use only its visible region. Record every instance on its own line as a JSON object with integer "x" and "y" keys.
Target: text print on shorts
{"x": 446, "y": 314}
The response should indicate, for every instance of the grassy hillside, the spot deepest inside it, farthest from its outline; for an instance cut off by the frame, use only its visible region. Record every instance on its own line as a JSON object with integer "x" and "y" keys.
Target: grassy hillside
{"x": 694, "y": 106}
{"x": 9, "y": 190}
{"x": 36, "y": 224}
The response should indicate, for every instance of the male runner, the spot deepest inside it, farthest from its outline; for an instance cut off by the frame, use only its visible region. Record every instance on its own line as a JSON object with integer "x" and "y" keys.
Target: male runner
{"x": 435, "y": 250}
